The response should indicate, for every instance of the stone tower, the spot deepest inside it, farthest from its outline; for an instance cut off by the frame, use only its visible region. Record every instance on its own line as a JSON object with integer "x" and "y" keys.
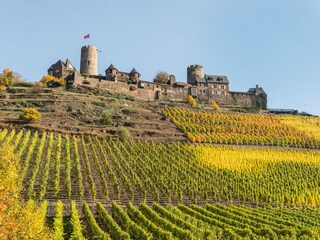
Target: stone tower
{"x": 89, "y": 60}
{"x": 193, "y": 72}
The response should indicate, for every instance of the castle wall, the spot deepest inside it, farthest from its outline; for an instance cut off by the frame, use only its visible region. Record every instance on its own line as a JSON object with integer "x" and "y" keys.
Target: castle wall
{"x": 121, "y": 87}
{"x": 151, "y": 91}
{"x": 121, "y": 76}
{"x": 241, "y": 99}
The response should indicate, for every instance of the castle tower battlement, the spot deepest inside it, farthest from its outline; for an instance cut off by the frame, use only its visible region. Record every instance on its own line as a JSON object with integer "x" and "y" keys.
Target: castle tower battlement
{"x": 89, "y": 60}
{"x": 193, "y": 72}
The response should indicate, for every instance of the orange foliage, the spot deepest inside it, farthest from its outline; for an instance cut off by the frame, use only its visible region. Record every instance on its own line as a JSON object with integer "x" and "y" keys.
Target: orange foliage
{"x": 3, "y": 88}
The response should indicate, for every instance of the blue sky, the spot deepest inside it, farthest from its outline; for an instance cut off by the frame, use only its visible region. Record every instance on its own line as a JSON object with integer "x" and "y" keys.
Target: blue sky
{"x": 271, "y": 43}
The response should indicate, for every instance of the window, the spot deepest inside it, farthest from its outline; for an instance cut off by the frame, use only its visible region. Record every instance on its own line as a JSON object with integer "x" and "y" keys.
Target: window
{"x": 110, "y": 70}
{"x": 222, "y": 93}
{"x": 215, "y": 86}
{"x": 215, "y": 93}
{"x": 203, "y": 92}
{"x": 222, "y": 87}
{"x": 88, "y": 62}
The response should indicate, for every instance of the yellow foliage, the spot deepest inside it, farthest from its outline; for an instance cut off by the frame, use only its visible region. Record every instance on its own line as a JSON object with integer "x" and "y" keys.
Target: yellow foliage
{"x": 61, "y": 81}
{"x": 191, "y": 101}
{"x": 3, "y": 88}
{"x": 7, "y": 77}
{"x": 46, "y": 79}
{"x": 215, "y": 105}
{"x": 17, "y": 222}
{"x": 306, "y": 124}
{"x": 30, "y": 114}
{"x": 248, "y": 129}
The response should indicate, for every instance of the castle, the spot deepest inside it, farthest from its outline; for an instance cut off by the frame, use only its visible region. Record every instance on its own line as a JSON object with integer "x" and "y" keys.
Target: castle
{"x": 201, "y": 86}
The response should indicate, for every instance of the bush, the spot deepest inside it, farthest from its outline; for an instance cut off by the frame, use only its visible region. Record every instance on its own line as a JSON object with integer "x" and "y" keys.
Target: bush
{"x": 100, "y": 104}
{"x": 123, "y": 133}
{"x": 191, "y": 101}
{"x": 29, "y": 114}
{"x": 106, "y": 118}
{"x": 52, "y": 81}
{"x": 215, "y": 106}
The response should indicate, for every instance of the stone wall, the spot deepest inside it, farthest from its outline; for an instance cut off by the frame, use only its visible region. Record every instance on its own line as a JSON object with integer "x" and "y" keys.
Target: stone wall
{"x": 151, "y": 91}
{"x": 241, "y": 98}
{"x": 121, "y": 87}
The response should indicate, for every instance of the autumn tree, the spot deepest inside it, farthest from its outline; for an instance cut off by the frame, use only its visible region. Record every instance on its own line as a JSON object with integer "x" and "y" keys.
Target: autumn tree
{"x": 161, "y": 77}
{"x": 17, "y": 222}
{"x": 7, "y": 77}
{"x": 29, "y": 114}
{"x": 191, "y": 101}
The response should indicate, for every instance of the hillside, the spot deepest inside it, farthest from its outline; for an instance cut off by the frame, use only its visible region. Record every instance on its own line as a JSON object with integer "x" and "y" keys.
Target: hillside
{"x": 185, "y": 172}
{"x": 66, "y": 111}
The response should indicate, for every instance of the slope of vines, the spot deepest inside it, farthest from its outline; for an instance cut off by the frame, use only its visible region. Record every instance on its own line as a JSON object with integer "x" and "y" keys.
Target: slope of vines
{"x": 189, "y": 222}
{"x": 247, "y": 129}
{"x": 152, "y": 171}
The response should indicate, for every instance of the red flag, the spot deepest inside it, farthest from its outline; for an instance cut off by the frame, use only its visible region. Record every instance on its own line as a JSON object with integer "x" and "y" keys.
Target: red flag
{"x": 86, "y": 36}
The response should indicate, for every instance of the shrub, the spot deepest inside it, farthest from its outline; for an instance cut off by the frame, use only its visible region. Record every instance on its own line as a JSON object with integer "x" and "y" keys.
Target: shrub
{"x": 123, "y": 133}
{"x": 191, "y": 101}
{"x": 215, "y": 105}
{"x": 69, "y": 109}
{"x": 29, "y": 114}
{"x": 46, "y": 79}
{"x": 106, "y": 118}
{"x": 52, "y": 81}
{"x": 100, "y": 104}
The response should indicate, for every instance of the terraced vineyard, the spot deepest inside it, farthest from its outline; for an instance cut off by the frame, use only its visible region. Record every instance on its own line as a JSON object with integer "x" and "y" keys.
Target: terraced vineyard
{"x": 129, "y": 189}
{"x": 91, "y": 168}
{"x": 186, "y": 222}
{"x": 247, "y": 129}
